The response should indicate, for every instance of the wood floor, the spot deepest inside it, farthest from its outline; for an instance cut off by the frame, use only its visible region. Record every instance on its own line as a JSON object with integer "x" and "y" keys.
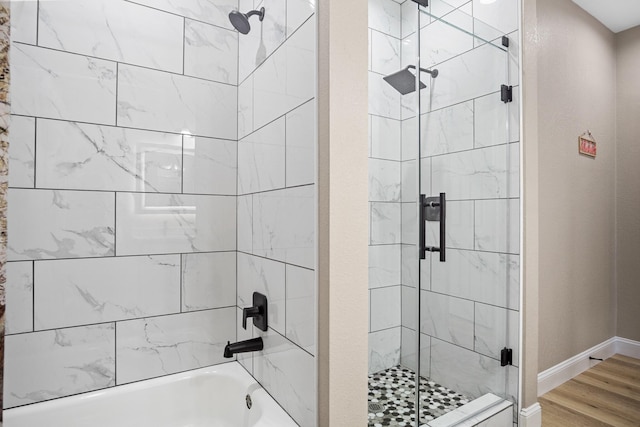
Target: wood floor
{"x": 606, "y": 395}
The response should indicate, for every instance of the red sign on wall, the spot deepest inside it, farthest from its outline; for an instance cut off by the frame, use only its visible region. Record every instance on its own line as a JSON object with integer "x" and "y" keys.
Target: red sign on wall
{"x": 587, "y": 145}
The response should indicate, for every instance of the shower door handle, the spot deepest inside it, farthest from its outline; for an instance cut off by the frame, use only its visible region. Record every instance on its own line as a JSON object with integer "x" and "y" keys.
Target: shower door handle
{"x": 433, "y": 209}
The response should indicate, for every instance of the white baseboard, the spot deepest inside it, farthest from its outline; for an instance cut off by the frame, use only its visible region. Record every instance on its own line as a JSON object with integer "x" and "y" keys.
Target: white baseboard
{"x": 564, "y": 371}
{"x": 531, "y": 416}
{"x": 628, "y": 347}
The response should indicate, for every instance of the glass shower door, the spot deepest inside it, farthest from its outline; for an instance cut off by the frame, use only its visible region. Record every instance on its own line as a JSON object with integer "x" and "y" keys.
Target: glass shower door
{"x": 461, "y": 152}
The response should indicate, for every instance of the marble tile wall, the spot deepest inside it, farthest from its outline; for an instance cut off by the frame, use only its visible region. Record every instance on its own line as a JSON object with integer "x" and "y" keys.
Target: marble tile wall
{"x": 385, "y": 189}
{"x": 276, "y": 199}
{"x": 470, "y": 303}
{"x": 122, "y": 199}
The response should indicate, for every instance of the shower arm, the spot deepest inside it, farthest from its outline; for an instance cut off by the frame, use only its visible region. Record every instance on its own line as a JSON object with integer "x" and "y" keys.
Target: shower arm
{"x": 260, "y": 13}
{"x": 434, "y": 73}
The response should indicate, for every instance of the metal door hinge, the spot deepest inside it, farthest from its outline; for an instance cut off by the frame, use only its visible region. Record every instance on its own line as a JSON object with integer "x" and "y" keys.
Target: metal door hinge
{"x": 424, "y": 3}
{"x": 505, "y": 41}
{"x": 506, "y": 357}
{"x": 506, "y": 93}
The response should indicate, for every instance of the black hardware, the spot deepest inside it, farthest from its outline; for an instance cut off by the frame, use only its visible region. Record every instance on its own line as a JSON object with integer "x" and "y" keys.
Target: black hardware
{"x": 258, "y": 312}
{"x": 433, "y": 209}
{"x": 506, "y": 357}
{"x": 506, "y": 93}
{"x": 595, "y": 358}
{"x": 505, "y": 41}
{"x": 254, "y": 344}
{"x": 424, "y": 3}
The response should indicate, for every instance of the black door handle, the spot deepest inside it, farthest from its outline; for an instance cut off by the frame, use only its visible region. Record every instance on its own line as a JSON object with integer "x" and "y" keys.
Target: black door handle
{"x": 433, "y": 209}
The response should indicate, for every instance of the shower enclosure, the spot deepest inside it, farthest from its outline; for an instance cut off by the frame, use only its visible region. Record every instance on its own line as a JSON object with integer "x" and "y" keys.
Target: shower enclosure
{"x": 444, "y": 204}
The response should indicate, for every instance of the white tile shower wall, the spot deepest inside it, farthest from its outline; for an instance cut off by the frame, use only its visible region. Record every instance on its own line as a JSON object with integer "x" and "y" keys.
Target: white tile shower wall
{"x": 276, "y": 199}
{"x": 470, "y": 303}
{"x": 385, "y": 187}
{"x": 123, "y": 193}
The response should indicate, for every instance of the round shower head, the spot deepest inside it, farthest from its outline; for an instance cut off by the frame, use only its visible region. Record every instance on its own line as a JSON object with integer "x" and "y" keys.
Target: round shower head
{"x": 240, "y": 21}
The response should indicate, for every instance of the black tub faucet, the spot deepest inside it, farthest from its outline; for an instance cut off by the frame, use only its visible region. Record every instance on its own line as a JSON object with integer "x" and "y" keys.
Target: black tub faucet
{"x": 254, "y": 344}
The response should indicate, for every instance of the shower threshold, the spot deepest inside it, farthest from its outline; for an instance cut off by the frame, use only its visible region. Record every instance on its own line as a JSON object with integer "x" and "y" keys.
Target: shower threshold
{"x": 392, "y": 398}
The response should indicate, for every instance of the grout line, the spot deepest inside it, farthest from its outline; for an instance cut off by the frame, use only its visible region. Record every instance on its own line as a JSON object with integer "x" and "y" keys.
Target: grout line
{"x": 165, "y": 132}
{"x": 114, "y": 61}
{"x": 121, "y": 256}
{"x": 155, "y": 316}
{"x": 161, "y": 193}
{"x": 35, "y": 152}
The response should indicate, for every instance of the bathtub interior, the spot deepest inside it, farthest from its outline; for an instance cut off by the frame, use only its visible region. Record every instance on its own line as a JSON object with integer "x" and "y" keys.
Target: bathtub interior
{"x": 213, "y": 396}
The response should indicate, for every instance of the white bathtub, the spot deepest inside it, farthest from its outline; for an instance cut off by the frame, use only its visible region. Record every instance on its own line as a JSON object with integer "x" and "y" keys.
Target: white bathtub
{"x": 208, "y": 397}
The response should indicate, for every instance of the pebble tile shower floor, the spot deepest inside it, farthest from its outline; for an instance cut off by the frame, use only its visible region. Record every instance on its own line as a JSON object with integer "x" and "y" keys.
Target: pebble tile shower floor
{"x": 394, "y": 390}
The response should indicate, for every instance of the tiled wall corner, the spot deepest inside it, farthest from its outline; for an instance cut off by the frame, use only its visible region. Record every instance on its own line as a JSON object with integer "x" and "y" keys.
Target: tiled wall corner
{"x": 385, "y": 189}
{"x": 277, "y": 198}
{"x": 122, "y": 207}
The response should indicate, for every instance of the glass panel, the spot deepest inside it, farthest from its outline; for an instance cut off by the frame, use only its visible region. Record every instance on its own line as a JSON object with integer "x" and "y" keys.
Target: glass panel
{"x": 468, "y": 303}
{"x": 441, "y": 331}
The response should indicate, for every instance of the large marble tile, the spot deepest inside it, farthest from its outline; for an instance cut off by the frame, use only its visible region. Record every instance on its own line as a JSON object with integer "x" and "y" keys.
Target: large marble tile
{"x": 287, "y": 78}
{"x": 384, "y": 180}
{"x": 385, "y": 53}
{"x": 476, "y": 73}
{"x": 459, "y": 226}
{"x": 157, "y": 346}
{"x": 490, "y": 119}
{"x": 408, "y": 354}
{"x": 24, "y": 21}
{"x": 409, "y": 307}
{"x": 466, "y": 372}
{"x": 212, "y": 12}
{"x": 210, "y": 166}
{"x": 386, "y": 308}
{"x": 51, "y": 364}
{"x": 80, "y": 156}
{"x": 210, "y": 52}
{"x": 88, "y": 291}
{"x": 171, "y": 223}
{"x": 410, "y": 226}
{"x": 384, "y": 100}
{"x": 288, "y": 374}
{"x": 441, "y": 41}
{"x": 384, "y": 266}
{"x": 262, "y": 158}
{"x": 501, "y": 15}
{"x": 385, "y": 223}
{"x": 448, "y": 130}
{"x": 283, "y": 225}
{"x": 409, "y": 18}
{"x": 19, "y": 297}
{"x": 208, "y": 280}
{"x": 245, "y": 107}
{"x": 301, "y": 145}
{"x": 264, "y": 38}
{"x": 244, "y": 230}
{"x": 447, "y": 318}
{"x": 485, "y": 277}
{"x": 475, "y": 174}
{"x": 115, "y": 30}
{"x": 156, "y": 100}
{"x": 386, "y": 138}
{"x": 497, "y": 225}
{"x": 385, "y": 16}
{"x": 268, "y": 278}
{"x": 298, "y": 11}
{"x": 22, "y": 151}
{"x": 384, "y": 349}
{"x": 410, "y": 180}
{"x": 301, "y": 307}
{"x": 495, "y": 329}
{"x": 78, "y": 88}
{"x": 245, "y": 359}
{"x": 46, "y": 224}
